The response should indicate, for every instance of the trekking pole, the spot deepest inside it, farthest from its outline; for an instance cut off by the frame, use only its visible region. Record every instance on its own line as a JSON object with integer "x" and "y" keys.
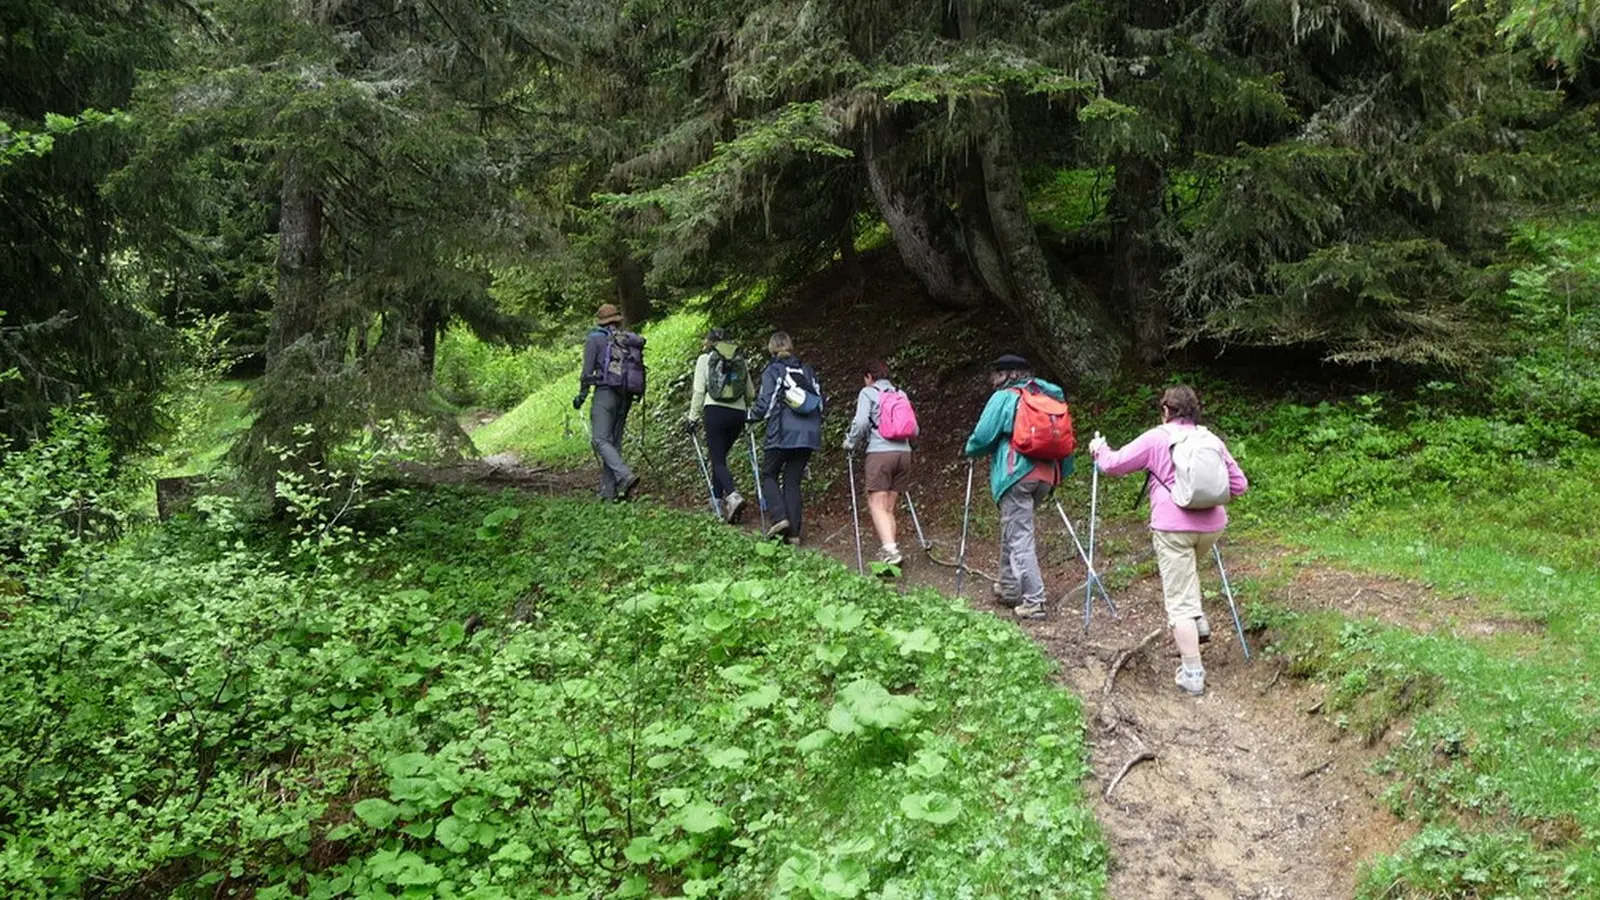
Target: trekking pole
{"x": 926, "y": 544}
{"x": 855, "y": 513}
{"x": 966, "y": 515}
{"x": 1227, "y": 590}
{"x": 755, "y": 472}
{"x": 1094, "y": 512}
{"x": 1095, "y": 580}
{"x": 711, "y": 491}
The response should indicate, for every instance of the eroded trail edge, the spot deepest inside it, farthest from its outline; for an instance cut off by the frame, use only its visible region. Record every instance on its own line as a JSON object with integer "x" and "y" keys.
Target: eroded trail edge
{"x": 1246, "y": 793}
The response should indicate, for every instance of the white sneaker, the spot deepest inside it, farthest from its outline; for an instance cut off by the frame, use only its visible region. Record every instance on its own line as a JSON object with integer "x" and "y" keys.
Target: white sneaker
{"x": 733, "y": 507}
{"x": 1191, "y": 681}
{"x": 890, "y": 557}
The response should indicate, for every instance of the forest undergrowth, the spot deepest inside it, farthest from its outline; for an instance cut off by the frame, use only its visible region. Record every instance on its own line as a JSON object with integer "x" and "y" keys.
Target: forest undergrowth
{"x": 447, "y": 693}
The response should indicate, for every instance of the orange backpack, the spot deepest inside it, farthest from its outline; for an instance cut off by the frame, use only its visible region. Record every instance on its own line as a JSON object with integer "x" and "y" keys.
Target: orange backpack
{"x": 1042, "y": 429}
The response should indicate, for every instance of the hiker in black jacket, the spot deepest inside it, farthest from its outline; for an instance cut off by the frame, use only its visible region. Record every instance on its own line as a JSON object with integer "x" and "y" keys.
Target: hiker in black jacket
{"x": 790, "y": 402}
{"x": 608, "y": 415}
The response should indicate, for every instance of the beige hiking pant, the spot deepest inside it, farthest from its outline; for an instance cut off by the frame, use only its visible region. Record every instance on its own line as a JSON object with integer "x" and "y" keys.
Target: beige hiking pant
{"x": 1178, "y": 556}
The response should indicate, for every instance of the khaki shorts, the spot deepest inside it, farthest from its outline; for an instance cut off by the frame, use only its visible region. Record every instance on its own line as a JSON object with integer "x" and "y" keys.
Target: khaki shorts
{"x": 1178, "y": 557}
{"x": 888, "y": 471}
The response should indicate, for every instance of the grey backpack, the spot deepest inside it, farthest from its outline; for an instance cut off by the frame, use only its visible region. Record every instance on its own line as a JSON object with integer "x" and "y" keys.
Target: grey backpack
{"x": 1200, "y": 473}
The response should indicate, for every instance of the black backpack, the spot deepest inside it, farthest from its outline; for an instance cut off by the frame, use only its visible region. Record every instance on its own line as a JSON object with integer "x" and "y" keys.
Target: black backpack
{"x": 727, "y": 379}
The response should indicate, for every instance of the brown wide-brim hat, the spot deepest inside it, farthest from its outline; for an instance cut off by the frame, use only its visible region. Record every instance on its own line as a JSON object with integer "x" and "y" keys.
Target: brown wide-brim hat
{"x": 608, "y": 314}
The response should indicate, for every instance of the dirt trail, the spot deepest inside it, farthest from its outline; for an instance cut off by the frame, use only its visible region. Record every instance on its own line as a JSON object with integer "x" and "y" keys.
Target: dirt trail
{"x": 1246, "y": 792}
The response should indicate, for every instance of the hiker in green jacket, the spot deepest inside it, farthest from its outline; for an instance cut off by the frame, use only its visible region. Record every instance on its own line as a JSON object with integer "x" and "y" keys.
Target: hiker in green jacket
{"x": 1019, "y": 484}
{"x": 719, "y": 400}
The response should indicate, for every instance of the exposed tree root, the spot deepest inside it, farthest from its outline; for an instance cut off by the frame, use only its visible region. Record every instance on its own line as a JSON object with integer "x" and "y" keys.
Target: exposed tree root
{"x": 1139, "y": 757}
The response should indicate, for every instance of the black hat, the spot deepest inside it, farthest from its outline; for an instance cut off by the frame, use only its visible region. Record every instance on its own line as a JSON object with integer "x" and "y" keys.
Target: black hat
{"x": 1010, "y": 363}
{"x": 717, "y": 334}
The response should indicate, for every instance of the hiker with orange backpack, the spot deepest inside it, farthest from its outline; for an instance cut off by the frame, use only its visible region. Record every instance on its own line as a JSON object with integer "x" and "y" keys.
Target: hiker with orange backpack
{"x": 1026, "y": 430}
{"x": 1191, "y": 475}
{"x": 885, "y": 419}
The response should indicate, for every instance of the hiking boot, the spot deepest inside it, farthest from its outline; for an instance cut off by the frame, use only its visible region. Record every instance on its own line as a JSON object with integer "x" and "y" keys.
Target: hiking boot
{"x": 1191, "y": 681}
{"x": 1203, "y": 627}
{"x": 778, "y": 528}
{"x": 733, "y": 507}
{"x": 1029, "y": 609}
{"x": 625, "y": 489}
{"x": 999, "y": 596}
{"x": 890, "y": 557}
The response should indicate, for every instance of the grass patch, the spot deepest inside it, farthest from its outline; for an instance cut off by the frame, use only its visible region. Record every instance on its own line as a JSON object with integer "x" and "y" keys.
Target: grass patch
{"x": 544, "y": 425}
{"x": 208, "y": 422}
{"x": 505, "y": 697}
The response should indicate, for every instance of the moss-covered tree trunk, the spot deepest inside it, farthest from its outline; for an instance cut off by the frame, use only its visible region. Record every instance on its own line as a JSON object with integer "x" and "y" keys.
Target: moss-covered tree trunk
{"x": 1136, "y": 262}
{"x": 627, "y": 274}
{"x": 925, "y": 231}
{"x": 1057, "y": 321}
{"x": 300, "y": 278}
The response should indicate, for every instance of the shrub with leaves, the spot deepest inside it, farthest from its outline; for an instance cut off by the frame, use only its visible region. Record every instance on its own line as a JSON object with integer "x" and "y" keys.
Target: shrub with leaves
{"x": 551, "y": 698}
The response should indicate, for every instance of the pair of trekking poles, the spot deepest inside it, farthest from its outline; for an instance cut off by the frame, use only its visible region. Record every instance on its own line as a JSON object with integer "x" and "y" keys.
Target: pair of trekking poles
{"x": 1093, "y": 582}
{"x": 755, "y": 473}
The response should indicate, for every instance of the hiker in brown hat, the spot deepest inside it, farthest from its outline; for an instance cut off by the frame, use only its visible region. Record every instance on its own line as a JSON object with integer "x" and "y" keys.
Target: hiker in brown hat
{"x": 613, "y": 365}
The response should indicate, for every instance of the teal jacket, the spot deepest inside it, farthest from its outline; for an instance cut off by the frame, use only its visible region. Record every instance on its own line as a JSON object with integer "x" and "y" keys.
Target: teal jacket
{"x": 992, "y": 435}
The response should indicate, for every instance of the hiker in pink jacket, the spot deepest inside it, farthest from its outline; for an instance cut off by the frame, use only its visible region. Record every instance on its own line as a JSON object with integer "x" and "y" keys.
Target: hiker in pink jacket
{"x": 1181, "y": 535}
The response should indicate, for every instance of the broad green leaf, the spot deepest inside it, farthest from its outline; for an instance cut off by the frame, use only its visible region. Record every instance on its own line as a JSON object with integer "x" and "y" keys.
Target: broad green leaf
{"x": 846, "y": 879}
{"x": 641, "y": 849}
{"x": 727, "y": 757}
{"x": 842, "y": 618}
{"x": 932, "y": 807}
{"x": 700, "y": 817}
{"x": 452, "y": 634}
{"x": 717, "y": 621}
{"x": 455, "y": 834}
{"x": 920, "y": 640}
{"x": 377, "y": 812}
{"x": 814, "y": 741}
{"x": 928, "y": 764}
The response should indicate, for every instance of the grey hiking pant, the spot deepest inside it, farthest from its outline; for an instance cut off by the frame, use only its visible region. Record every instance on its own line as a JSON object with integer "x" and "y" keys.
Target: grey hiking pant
{"x": 1019, "y": 556}
{"x": 608, "y": 415}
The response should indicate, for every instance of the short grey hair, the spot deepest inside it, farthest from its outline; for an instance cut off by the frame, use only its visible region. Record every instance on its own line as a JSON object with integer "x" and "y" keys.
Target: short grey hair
{"x": 780, "y": 343}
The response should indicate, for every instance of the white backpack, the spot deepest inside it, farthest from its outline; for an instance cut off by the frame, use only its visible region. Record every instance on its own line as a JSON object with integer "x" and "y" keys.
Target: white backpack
{"x": 1200, "y": 474}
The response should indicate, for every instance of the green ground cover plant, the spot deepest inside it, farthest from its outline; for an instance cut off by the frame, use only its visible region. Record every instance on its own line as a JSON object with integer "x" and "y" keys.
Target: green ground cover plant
{"x": 450, "y": 694}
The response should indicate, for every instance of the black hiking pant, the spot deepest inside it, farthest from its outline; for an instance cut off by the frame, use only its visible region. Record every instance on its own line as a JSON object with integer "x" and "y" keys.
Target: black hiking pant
{"x": 723, "y": 429}
{"x": 783, "y": 500}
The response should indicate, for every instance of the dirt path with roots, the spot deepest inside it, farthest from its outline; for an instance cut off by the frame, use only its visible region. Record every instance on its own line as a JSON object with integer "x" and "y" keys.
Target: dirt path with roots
{"x": 1245, "y": 793}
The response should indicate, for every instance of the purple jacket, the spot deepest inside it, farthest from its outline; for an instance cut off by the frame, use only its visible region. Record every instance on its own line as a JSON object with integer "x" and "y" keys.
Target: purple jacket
{"x": 1151, "y": 452}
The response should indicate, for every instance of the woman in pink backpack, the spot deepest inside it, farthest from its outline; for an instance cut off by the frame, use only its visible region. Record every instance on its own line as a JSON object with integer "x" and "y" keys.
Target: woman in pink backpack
{"x": 1184, "y": 523}
{"x": 881, "y": 408}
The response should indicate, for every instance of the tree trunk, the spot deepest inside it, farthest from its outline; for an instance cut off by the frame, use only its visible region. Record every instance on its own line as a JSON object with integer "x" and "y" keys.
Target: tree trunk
{"x": 1060, "y": 329}
{"x": 924, "y": 230}
{"x": 430, "y": 326}
{"x": 300, "y": 281}
{"x": 628, "y": 275}
{"x": 1136, "y": 263}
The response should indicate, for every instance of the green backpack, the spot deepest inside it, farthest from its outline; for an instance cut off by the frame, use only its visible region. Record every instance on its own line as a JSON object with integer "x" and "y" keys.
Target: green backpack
{"x": 727, "y": 378}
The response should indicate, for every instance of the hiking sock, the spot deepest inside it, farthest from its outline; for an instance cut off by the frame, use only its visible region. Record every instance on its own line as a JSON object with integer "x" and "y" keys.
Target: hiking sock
{"x": 1193, "y": 665}
{"x": 891, "y": 549}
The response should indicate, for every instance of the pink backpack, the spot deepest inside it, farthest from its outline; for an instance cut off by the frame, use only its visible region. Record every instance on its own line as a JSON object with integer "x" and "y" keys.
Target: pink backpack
{"x": 896, "y": 419}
